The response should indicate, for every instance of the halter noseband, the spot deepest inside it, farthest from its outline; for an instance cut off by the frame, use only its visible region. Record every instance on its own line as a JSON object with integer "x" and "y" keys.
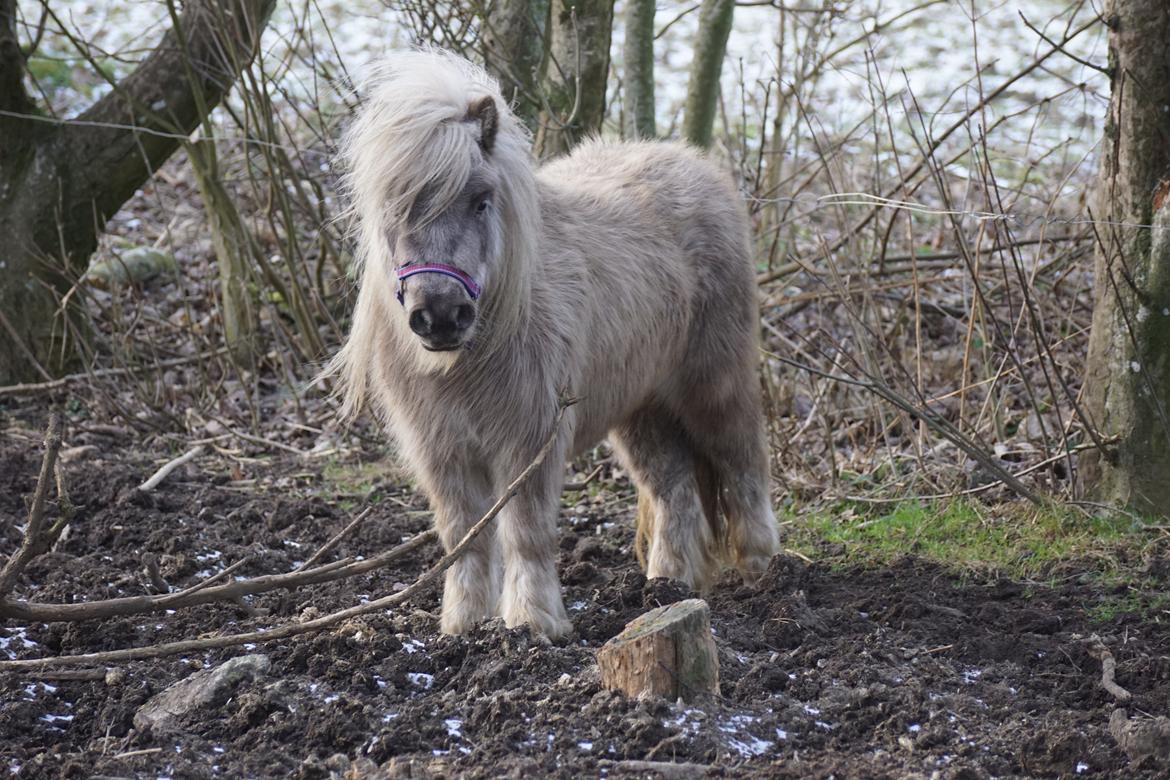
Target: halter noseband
{"x": 411, "y": 269}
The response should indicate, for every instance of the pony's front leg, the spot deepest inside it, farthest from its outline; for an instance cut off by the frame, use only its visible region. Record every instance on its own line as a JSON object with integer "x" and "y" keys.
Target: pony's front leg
{"x": 528, "y": 540}
{"x": 471, "y": 589}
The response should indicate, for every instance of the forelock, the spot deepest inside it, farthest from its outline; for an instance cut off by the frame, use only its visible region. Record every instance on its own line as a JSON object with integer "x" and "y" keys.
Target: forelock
{"x": 412, "y": 136}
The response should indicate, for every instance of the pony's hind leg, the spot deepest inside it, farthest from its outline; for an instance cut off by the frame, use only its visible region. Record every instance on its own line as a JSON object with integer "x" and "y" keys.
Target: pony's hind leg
{"x": 459, "y": 497}
{"x": 679, "y": 540}
{"x": 727, "y": 428}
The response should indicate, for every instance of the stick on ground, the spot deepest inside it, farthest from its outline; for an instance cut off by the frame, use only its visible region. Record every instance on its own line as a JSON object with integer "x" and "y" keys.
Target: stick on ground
{"x": 170, "y": 466}
{"x": 325, "y": 621}
{"x": 35, "y": 540}
{"x": 1098, "y": 650}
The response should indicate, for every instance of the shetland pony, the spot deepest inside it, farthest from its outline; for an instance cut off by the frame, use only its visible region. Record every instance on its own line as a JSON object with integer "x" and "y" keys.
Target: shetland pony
{"x": 619, "y": 274}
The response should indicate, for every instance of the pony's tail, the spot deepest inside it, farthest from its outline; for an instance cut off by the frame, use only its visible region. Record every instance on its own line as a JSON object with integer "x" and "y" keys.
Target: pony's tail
{"x": 710, "y": 492}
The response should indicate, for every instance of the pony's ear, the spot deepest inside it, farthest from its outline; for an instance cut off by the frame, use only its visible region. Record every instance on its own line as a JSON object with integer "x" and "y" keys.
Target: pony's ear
{"x": 484, "y": 112}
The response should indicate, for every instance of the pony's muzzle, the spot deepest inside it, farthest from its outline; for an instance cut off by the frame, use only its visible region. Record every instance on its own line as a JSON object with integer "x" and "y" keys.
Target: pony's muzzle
{"x": 442, "y": 322}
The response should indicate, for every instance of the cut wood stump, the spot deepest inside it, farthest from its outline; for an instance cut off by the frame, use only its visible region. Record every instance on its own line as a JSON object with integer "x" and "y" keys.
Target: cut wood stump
{"x": 666, "y": 652}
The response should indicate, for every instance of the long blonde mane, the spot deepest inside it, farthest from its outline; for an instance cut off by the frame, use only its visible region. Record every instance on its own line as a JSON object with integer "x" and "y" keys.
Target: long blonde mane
{"x": 411, "y": 136}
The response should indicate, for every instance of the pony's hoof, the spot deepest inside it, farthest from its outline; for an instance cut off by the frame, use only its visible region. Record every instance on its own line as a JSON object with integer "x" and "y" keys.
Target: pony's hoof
{"x": 752, "y": 568}
{"x": 459, "y": 622}
{"x": 543, "y": 624}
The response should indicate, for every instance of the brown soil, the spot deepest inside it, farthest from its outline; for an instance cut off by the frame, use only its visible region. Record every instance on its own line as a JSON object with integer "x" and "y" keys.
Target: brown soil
{"x": 905, "y": 670}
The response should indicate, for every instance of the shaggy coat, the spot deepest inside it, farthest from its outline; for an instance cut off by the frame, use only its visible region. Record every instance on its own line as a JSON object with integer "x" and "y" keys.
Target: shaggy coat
{"x": 619, "y": 275}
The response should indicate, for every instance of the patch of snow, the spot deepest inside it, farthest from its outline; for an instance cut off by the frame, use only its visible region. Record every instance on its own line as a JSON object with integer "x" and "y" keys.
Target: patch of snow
{"x": 586, "y": 746}
{"x": 454, "y": 727}
{"x": 1082, "y": 767}
{"x": 16, "y": 639}
{"x": 412, "y": 646}
{"x": 915, "y": 728}
{"x": 421, "y": 680}
{"x": 50, "y": 718}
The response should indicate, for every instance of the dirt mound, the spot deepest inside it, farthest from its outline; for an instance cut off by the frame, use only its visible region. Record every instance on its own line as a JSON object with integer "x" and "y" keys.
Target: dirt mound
{"x": 906, "y": 670}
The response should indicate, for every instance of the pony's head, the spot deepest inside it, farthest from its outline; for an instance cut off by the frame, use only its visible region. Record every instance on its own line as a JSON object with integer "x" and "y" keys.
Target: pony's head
{"x": 441, "y": 181}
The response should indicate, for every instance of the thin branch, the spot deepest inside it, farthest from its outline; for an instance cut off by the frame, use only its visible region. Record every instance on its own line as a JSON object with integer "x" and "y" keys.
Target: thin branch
{"x": 329, "y": 545}
{"x": 326, "y": 621}
{"x": 34, "y": 542}
{"x": 170, "y": 466}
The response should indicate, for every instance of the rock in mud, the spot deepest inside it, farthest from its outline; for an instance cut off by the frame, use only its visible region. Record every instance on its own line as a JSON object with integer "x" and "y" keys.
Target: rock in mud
{"x": 208, "y": 688}
{"x": 132, "y": 266}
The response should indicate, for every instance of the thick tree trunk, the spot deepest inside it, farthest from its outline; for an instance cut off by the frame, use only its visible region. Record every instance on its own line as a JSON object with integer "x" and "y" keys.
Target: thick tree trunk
{"x": 1127, "y": 383}
{"x": 703, "y": 88}
{"x": 574, "y": 84}
{"x": 638, "y": 53}
{"x": 515, "y": 41}
{"x": 61, "y": 182}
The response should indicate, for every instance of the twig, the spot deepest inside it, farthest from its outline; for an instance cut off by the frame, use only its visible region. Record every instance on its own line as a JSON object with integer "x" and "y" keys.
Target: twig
{"x": 204, "y": 592}
{"x": 572, "y": 486}
{"x": 203, "y": 584}
{"x": 293, "y": 629}
{"x": 142, "y": 752}
{"x": 170, "y": 466}
{"x": 1098, "y": 650}
{"x": 57, "y": 384}
{"x": 34, "y": 532}
{"x": 329, "y": 545}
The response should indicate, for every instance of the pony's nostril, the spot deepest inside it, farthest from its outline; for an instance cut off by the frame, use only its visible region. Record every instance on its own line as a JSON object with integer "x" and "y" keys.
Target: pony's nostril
{"x": 464, "y": 316}
{"x": 420, "y": 322}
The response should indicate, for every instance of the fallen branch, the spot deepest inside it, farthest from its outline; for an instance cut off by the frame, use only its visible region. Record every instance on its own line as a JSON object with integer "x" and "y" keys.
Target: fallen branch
{"x": 170, "y": 466}
{"x": 1098, "y": 650}
{"x": 56, "y": 384}
{"x": 329, "y": 545}
{"x": 204, "y": 592}
{"x": 36, "y": 538}
{"x": 326, "y": 621}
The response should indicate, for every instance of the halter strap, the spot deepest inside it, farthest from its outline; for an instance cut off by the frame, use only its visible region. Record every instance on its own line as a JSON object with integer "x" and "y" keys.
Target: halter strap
{"x": 411, "y": 269}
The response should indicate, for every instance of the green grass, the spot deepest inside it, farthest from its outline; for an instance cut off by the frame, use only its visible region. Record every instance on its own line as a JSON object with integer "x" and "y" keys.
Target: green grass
{"x": 355, "y": 483}
{"x": 1018, "y": 540}
{"x": 1044, "y": 546}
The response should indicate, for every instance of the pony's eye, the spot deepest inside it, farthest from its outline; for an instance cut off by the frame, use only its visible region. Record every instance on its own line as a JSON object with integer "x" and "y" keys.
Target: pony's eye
{"x": 482, "y": 206}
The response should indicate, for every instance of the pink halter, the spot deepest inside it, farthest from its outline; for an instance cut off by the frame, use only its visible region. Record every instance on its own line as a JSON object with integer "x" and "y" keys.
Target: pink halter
{"x": 409, "y": 270}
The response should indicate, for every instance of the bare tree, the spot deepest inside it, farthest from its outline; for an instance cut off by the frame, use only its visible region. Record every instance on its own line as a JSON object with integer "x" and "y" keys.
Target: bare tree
{"x": 60, "y": 181}
{"x": 703, "y": 88}
{"x": 514, "y": 45}
{"x": 638, "y": 53}
{"x": 1127, "y": 386}
{"x": 574, "y": 83}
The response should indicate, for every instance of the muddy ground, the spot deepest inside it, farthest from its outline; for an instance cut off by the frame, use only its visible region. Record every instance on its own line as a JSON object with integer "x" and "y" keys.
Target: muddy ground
{"x": 828, "y": 670}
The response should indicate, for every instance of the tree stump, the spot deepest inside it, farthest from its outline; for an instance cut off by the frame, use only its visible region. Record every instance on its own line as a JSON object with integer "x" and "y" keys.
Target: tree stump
{"x": 666, "y": 652}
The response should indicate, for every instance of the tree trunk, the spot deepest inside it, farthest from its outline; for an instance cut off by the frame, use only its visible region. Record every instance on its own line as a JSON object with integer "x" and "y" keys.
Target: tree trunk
{"x": 638, "y": 53}
{"x": 235, "y": 255}
{"x": 703, "y": 88}
{"x": 1127, "y": 382}
{"x": 574, "y": 83}
{"x": 61, "y": 181}
{"x": 514, "y": 43}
